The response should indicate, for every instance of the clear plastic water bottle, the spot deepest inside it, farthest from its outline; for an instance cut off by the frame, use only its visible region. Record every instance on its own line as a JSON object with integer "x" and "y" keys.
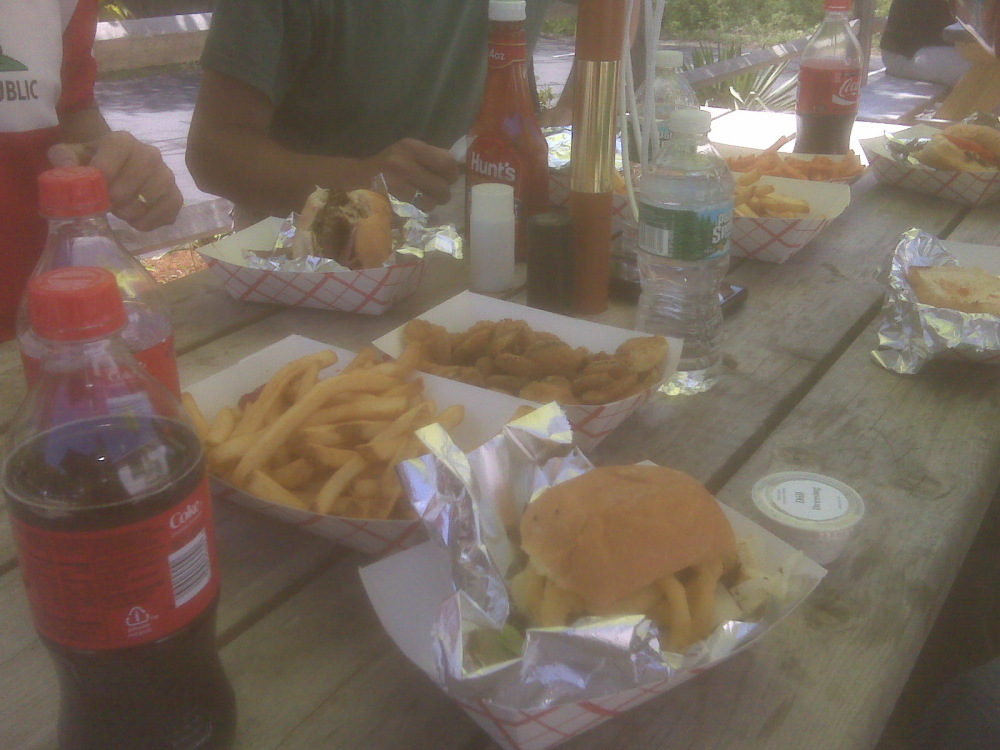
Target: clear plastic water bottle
{"x": 685, "y": 220}
{"x": 670, "y": 91}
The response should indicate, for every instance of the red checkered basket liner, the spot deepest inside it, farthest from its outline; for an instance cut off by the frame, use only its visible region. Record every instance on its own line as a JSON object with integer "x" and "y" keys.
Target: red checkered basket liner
{"x": 370, "y": 291}
{"x": 967, "y": 188}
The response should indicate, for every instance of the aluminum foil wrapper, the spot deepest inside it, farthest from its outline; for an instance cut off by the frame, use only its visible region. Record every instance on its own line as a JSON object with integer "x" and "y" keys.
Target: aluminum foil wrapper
{"x": 560, "y": 142}
{"x": 910, "y": 333}
{"x": 469, "y": 502}
{"x": 414, "y": 237}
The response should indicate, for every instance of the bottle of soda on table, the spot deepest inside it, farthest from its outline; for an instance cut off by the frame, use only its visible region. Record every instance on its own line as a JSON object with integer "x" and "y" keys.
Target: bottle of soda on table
{"x": 110, "y": 509}
{"x": 685, "y": 220}
{"x": 506, "y": 144}
{"x": 829, "y": 87}
{"x": 75, "y": 201}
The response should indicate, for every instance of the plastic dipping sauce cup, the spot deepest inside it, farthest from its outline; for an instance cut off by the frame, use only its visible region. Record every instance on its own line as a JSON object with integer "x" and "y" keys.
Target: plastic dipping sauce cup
{"x": 814, "y": 513}
{"x": 491, "y": 220}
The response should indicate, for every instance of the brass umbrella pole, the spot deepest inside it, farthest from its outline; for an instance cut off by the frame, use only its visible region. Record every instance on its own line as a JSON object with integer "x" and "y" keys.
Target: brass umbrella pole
{"x": 599, "y": 28}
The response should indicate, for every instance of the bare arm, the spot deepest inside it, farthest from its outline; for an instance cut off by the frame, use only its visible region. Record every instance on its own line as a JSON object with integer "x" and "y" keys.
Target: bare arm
{"x": 230, "y": 153}
{"x": 142, "y": 188}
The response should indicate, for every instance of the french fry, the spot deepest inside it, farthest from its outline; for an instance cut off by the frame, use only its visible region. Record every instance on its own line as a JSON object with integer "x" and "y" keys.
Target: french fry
{"x": 256, "y": 412}
{"x": 772, "y": 164}
{"x": 264, "y": 486}
{"x": 329, "y": 493}
{"x": 222, "y": 426}
{"x": 201, "y": 425}
{"x": 331, "y": 445}
{"x": 294, "y": 474}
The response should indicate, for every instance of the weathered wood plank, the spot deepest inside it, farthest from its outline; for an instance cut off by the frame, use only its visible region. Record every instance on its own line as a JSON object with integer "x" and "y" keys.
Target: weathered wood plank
{"x": 797, "y": 319}
{"x": 925, "y": 454}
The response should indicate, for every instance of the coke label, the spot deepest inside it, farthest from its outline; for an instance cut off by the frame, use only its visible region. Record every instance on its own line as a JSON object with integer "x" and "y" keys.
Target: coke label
{"x": 828, "y": 90}
{"x": 125, "y": 586}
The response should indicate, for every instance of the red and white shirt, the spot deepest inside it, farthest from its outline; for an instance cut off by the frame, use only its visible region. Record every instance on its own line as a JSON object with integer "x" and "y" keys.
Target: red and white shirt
{"x": 47, "y": 69}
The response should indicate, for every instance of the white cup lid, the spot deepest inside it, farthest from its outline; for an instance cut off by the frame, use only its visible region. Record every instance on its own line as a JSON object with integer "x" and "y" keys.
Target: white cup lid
{"x": 689, "y": 120}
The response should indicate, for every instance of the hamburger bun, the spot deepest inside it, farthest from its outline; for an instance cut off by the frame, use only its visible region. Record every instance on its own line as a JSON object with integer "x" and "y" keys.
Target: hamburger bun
{"x": 354, "y": 229}
{"x": 968, "y": 290}
{"x": 962, "y": 148}
{"x": 625, "y": 540}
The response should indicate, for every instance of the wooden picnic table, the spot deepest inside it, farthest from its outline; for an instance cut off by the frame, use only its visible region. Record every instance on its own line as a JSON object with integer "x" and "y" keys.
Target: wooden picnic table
{"x": 312, "y": 667}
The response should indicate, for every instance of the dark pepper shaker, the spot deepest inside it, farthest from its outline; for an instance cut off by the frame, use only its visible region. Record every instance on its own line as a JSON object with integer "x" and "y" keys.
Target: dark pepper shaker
{"x": 550, "y": 261}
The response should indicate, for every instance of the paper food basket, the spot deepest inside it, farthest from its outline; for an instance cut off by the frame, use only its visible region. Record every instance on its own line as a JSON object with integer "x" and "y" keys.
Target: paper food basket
{"x": 485, "y": 415}
{"x": 967, "y": 188}
{"x": 406, "y": 590}
{"x": 777, "y": 240}
{"x": 591, "y": 423}
{"x": 370, "y": 291}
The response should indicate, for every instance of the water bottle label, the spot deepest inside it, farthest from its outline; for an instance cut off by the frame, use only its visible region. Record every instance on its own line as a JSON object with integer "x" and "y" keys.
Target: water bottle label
{"x": 121, "y": 587}
{"x": 685, "y": 234}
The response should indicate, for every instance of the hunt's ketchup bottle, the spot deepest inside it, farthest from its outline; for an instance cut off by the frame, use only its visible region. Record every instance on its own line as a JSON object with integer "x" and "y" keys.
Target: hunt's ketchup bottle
{"x": 110, "y": 509}
{"x": 75, "y": 201}
{"x": 506, "y": 144}
{"x": 829, "y": 85}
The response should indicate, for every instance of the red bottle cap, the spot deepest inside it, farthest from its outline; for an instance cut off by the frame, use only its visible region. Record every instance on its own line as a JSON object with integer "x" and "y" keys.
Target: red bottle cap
{"x": 75, "y": 303}
{"x": 65, "y": 192}
{"x": 841, "y": 6}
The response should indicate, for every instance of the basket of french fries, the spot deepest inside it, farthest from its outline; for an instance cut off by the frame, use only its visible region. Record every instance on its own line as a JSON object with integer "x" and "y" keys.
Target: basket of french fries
{"x": 599, "y": 374}
{"x": 774, "y": 217}
{"x": 311, "y": 435}
{"x": 537, "y": 664}
{"x": 770, "y": 162}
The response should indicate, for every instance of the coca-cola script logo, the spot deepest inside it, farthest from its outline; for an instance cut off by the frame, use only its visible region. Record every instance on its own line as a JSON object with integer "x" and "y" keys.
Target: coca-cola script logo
{"x": 181, "y": 517}
{"x": 502, "y": 171}
{"x": 849, "y": 92}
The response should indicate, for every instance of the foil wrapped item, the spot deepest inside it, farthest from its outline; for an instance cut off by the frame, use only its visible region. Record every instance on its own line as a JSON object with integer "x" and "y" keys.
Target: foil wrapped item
{"x": 472, "y": 504}
{"x": 560, "y": 141}
{"x": 412, "y": 236}
{"x": 910, "y": 333}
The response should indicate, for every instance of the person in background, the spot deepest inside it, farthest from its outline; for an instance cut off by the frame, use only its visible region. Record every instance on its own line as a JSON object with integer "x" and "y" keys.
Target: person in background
{"x": 335, "y": 93}
{"x": 913, "y": 44}
{"x": 48, "y": 117}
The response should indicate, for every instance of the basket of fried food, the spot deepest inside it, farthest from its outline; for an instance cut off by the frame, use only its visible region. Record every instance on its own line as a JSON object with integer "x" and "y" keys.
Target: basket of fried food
{"x": 599, "y": 374}
{"x": 960, "y": 163}
{"x": 567, "y": 594}
{"x": 770, "y": 162}
{"x": 317, "y": 435}
{"x": 774, "y": 218}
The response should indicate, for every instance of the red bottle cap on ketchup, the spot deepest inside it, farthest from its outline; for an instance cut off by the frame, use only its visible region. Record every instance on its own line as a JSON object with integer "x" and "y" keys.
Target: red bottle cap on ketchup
{"x": 66, "y": 192}
{"x": 842, "y": 6}
{"x": 75, "y": 303}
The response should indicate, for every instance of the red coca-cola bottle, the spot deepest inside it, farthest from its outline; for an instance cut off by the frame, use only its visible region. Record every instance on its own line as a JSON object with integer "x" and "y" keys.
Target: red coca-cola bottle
{"x": 110, "y": 509}
{"x": 75, "y": 201}
{"x": 506, "y": 144}
{"x": 829, "y": 85}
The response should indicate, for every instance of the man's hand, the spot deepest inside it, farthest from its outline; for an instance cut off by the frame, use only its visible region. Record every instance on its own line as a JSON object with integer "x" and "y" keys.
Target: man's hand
{"x": 416, "y": 172}
{"x": 142, "y": 188}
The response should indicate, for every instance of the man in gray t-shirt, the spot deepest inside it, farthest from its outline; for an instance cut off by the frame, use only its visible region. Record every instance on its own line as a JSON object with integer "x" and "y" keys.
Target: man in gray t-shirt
{"x": 333, "y": 92}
